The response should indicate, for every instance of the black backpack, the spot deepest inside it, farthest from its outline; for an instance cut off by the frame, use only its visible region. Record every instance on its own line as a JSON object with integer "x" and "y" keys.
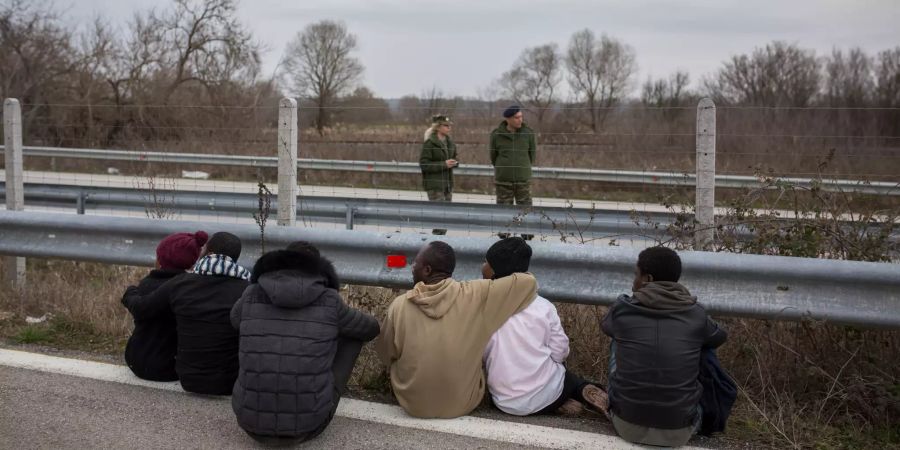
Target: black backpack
{"x": 719, "y": 393}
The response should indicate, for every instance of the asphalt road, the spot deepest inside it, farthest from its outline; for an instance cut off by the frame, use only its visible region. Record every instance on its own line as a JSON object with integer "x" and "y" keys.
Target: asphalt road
{"x": 43, "y": 410}
{"x": 65, "y": 399}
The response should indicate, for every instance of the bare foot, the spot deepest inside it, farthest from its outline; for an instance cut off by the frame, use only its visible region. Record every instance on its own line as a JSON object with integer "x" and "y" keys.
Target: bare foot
{"x": 571, "y": 407}
{"x": 596, "y": 399}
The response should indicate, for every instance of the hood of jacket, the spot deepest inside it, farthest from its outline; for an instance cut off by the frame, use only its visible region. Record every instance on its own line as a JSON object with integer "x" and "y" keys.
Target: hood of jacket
{"x": 434, "y": 299}
{"x": 665, "y": 295}
{"x": 293, "y": 279}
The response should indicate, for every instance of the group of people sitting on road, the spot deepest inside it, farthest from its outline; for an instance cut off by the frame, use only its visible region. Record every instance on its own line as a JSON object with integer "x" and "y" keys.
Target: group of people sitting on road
{"x": 280, "y": 340}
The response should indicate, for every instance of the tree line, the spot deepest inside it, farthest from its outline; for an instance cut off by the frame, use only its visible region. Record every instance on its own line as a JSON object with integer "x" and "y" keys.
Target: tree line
{"x": 111, "y": 84}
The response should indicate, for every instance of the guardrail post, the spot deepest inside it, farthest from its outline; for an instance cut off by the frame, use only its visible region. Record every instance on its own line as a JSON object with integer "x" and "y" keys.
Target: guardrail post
{"x": 351, "y": 212}
{"x": 287, "y": 162}
{"x": 15, "y": 187}
{"x": 79, "y": 203}
{"x": 705, "y": 214}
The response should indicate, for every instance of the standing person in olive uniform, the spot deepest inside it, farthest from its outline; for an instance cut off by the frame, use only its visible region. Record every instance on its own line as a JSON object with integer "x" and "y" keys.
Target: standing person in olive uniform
{"x": 437, "y": 160}
{"x": 513, "y": 151}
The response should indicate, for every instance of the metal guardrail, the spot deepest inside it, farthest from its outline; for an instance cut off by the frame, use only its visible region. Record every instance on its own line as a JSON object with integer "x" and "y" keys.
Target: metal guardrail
{"x": 553, "y": 173}
{"x": 570, "y": 222}
{"x": 772, "y": 287}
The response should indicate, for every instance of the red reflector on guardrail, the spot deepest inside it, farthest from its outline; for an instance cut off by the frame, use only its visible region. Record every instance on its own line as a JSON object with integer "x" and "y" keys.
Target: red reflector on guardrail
{"x": 395, "y": 261}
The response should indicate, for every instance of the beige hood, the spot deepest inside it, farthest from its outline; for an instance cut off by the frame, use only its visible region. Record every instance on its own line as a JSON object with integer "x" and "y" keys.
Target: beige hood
{"x": 434, "y": 299}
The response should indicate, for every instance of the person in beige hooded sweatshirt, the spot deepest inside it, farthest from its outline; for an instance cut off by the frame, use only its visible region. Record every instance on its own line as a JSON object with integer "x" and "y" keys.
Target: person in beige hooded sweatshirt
{"x": 434, "y": 335}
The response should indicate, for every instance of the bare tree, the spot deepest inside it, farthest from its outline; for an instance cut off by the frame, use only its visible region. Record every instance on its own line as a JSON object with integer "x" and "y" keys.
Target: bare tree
{"x": 36, "y": 56}
{"x": 887, "y": 90}
{"x": 779, "y": 74}
{"x": 663, "y": 93}
{"x": 486, "y": 106}
{"x": 848, "y": 79}
{"x": 534, "y": 78}
{"x": 409, "y": 109}
{"x": 600, "y": 73}
{"x": 435, "y": 101}
{"x": 204, "y": 42}
{"x": 362, "y": 106}
{"x": 432, "y": 102}
{"x": 193, "y": 52}
{"x": 318, "y": 65}
{"x": 887, "y": 76}
{"x": 98, "y": 53}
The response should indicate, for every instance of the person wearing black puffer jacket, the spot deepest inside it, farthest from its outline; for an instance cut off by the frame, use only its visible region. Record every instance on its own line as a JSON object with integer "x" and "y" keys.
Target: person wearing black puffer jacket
{"x": 150, "y": 352}
{"x": 298, "y": 345}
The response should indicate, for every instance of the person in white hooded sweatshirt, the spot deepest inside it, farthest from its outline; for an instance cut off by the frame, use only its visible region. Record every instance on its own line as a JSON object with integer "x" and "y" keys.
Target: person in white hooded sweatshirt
{"x": 525, "y": 357}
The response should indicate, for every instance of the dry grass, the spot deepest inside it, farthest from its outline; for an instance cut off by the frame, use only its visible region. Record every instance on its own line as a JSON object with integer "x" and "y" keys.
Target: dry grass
{"x": 803, "y": 384}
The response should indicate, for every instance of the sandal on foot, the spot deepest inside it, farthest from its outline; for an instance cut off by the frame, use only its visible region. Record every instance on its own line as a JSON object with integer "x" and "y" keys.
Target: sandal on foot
{"x": 571, "y": 407}
{"x": 596, "y": 398}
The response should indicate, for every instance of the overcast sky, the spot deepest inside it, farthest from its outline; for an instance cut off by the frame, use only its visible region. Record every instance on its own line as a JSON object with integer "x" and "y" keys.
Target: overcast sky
{"x": 460, "y": 46}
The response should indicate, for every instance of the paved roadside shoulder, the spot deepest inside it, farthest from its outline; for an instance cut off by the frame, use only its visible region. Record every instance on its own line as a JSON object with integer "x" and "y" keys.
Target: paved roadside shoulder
{"x": 109, "y": 412}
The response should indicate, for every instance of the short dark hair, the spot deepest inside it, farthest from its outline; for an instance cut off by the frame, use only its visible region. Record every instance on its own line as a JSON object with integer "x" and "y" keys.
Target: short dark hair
{"x": 225, "y": 243}
{"x": 441, "y": 257}
{"x": 508, "y": 256}
{"x": 662, "y": 263}
{"x": 303, "y": 247}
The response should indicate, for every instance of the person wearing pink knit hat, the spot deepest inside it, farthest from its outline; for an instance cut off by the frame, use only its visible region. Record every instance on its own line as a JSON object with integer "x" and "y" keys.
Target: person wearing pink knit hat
{"x": 150, "y": 352}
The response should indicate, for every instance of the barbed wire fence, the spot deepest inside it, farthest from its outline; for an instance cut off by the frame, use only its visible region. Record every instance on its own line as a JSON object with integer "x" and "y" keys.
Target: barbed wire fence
{"x": 628, "y": 184}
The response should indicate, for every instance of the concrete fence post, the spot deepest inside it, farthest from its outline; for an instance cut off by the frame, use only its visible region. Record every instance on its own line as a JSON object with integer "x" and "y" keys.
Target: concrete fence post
{"x": 15, "y": 182}
{"x": 706, "y": 175}
{"x": 287, "y": 162}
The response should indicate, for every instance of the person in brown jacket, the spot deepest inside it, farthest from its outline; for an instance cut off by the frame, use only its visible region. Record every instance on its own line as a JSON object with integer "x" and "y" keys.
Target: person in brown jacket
{"x": 434, "y": 335}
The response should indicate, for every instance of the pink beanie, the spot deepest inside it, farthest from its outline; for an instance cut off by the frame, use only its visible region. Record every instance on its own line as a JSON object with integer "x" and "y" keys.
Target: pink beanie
{"x": 179, "y": 251}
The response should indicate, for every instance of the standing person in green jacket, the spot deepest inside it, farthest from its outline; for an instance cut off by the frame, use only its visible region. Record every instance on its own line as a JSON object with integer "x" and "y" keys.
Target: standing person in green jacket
{"x": 513, "y": 151}
{"x": 437, "y": 160}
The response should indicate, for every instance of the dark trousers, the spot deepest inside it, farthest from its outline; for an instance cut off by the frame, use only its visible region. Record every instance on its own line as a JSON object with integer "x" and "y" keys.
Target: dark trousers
{"x": 518, "y": 193}
{"x": 344, "y": 360}
{"x": 572, "y": 387}
{"x": 440, "y": 196}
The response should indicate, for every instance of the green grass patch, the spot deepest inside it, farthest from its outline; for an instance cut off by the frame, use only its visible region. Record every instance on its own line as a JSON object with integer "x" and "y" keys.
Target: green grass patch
{"x": 63, "y": 333}
{"x": 32, "y": 334}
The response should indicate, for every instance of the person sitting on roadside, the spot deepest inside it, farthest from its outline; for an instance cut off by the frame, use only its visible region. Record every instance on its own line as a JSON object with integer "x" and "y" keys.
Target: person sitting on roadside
{"x": 524, "y": 358}
{"x": 150, "y": 352}
{"x": 657, "y": 337}
{"x": 201, "y": 300}
{"x": 299, "y": 342}
{"x": 434, "y": 335}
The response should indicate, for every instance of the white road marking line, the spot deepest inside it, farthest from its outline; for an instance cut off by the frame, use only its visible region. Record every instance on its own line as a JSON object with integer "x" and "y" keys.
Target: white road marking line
{"x": 495, "y": 430}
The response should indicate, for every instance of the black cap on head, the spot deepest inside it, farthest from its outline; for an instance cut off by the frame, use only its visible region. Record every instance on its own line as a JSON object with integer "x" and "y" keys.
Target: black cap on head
{"x": 225, "y": 243}
{"x": 662, "y": 263}
{"x": 511, "y": 111}
{"x": 508, "y": 256}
